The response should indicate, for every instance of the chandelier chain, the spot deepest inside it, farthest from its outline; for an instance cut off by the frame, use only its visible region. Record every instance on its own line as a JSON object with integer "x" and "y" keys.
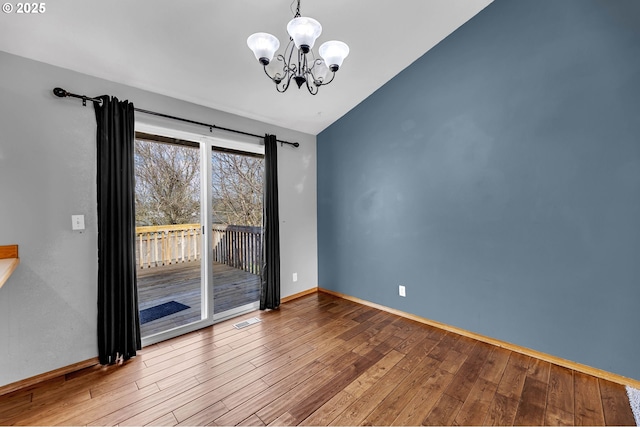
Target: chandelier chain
{"x": 297, "y": 14}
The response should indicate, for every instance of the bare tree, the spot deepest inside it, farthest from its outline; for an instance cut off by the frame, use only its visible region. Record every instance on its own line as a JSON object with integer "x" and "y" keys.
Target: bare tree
{"x": 237, "y": 189}
{"x": 167, "y": 183}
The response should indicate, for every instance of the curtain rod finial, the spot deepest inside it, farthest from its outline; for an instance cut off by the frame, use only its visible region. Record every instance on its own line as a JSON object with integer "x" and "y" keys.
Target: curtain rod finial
{"x": 59, "y": 92}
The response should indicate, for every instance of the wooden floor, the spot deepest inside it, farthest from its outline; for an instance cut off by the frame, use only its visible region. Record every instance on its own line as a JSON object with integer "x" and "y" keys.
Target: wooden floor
{"x": 321, "y": 360}
{"x": 181, "y": 283}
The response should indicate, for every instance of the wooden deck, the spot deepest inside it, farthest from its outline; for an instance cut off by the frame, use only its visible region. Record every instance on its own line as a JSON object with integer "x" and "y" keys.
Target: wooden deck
{"x": 181, "y": 283}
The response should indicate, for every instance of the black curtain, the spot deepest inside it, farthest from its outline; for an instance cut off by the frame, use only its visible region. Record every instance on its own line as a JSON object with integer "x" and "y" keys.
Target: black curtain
{"x": 270, "y": 289}
{"x": 118, "y": 321}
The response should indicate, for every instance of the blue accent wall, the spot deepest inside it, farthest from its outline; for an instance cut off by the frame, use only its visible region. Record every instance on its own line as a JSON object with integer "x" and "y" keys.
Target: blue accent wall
{"x": 498, "y": 179}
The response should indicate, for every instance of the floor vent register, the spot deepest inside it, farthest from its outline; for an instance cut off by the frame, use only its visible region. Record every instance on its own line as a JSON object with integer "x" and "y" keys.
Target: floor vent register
{"x": 246, "y": 323}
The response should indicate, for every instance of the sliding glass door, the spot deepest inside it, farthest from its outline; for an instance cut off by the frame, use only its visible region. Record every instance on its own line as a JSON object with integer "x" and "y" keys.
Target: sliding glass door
{"x": 197, "y": 263}
{"x": 236, "y": 201}
{"x": 169, "y": 237}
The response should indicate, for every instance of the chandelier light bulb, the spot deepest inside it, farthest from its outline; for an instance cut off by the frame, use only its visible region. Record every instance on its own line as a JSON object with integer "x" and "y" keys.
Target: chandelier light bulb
{"x": 333, "y": 52}
{"x": 304, "y": 32}
{"x": 264, "y": 46}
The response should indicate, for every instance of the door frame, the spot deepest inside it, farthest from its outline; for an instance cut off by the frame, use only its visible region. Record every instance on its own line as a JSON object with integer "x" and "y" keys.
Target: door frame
{"x": 206, "y": 143}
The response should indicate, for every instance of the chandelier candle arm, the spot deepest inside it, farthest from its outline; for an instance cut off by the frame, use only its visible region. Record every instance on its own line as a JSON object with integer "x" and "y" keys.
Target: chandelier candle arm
{"x": 310, "y": 72}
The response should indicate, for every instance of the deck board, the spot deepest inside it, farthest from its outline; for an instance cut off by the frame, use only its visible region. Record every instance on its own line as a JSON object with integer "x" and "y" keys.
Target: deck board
{"x": 181, "y": 283}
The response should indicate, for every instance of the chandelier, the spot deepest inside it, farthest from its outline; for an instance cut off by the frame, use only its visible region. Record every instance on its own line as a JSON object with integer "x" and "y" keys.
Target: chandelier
{"x": 298, "y": 62}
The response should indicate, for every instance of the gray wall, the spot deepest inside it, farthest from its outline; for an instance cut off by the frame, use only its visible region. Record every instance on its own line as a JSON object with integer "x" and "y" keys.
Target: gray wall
{"x": 498, "y": 179}
{"x": 47, "y": 173}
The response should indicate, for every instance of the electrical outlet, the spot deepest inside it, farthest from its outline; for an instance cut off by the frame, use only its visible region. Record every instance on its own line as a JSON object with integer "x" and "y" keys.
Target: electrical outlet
{"x": 295, "y": 277}
{"x": 402, "y": 291}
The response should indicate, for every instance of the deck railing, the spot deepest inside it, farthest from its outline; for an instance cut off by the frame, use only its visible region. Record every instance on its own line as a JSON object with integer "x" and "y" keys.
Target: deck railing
{"x": 238, "y": 246}
{"x": 168, "y": 244}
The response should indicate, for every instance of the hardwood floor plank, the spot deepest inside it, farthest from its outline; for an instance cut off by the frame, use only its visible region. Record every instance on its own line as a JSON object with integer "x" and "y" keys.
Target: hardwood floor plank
{"x": 453, "y": 361}
{"x": 204, "y": 417}
{"x": 168, "y": 420}
{"x": 502, "y": 411}
{"x": 475, "y": 407}
{"x": 382, "y": 340}
{"x": 355, "y": 331}
{"x": 244, "y": 394}
{"x": 557, "y": 417}
{"x": 521, "y": 360}
{"x": 102, "y": 416}
{"x": 281, "y": 357}
{"x": 321, "y": 360}
{"x": 78, "y": 391}
{"x": 411, "y": 341}
{"x": 444, "y": 411}
{"x": 202, "y": 346}
{"x": 285, "y": 419}
{"x": 246, "y": 409}
{"x": 279, "y": 374}
{"x": 53, "y": 385}
{"x": 425, "y": 399}
{"x": 588, "y": 403}
{"x": 617, "y": 411}
{"x": 416, "y": 353}
{"x": 400, "y": 396}
{"x": 405, "y": 327}
{"x": 440, "y": 351}
{"x": 366, "y": 372}
{"x": 371, "y": 369}
{"x": 218, "y": 368}
{"x": 99, "y": 407}
{"x": 201, "y": 396}
{"x": 330, "y": 410}
{"x": 560, "y": 399}
{"x": 14, "y": 403}
{"x": 252, "y": 420}
{"x": 362, "y": 406}
{"x": 303, "y": 391}
{"x": 504, "y": 406}
{"x": 291, "y": 351}
{"x": 43, "y": 411}
{"x": 468, "y": 373}
{"x": 220, "y": 353}
{"x": 337, "y": 352}
{"x": 196, "y": 366}
{"x": 532, "y": 403}
{"x": 495, "y": 365}
{"x": 512, "y": 380}
{"x": 357, "y": 311}
{"x": 307, "y": 327}
{"x": 366, "y": 315}
{"x": 539, "y": 370}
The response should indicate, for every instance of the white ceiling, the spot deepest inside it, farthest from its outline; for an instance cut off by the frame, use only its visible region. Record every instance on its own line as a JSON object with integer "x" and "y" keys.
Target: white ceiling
{"x": 195, "y": 50}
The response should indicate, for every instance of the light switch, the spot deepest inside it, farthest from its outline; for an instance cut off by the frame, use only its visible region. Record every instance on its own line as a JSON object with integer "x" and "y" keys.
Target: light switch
{"x": 77, "y": 222}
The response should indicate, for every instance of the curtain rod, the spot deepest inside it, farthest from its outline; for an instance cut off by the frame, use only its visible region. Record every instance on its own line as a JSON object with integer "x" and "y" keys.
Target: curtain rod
{"x": 59, "y": 92}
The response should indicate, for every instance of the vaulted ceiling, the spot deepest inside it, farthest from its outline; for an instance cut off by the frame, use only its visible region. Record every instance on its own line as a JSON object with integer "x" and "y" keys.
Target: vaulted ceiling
{"x": 195, "y": 50}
